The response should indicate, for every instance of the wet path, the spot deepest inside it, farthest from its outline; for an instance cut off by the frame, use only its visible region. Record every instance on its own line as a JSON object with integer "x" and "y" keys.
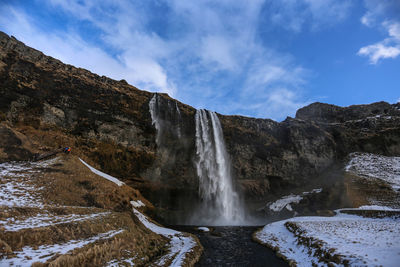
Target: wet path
{"x": 233, "y": 246}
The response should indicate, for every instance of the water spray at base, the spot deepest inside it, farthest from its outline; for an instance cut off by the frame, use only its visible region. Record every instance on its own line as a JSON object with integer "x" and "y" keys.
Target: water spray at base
{"x": 219, "y": 201}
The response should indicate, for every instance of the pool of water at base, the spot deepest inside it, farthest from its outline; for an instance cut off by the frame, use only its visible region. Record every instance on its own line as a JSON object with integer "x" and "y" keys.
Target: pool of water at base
{"x": 232, "y": 246}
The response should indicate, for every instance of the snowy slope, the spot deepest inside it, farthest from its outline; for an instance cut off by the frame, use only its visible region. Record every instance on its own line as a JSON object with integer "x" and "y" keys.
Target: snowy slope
{"x": 29, "y": 255}
{"x": 45, "y": 219}
{"x": 18, "y": 191}
{"x": 102, "y": 174}
{"x": 180, "y": 244}
{"x": 16, "y": 186}
{"x": 376, "y": 166}
{"x": 353, "y": 239}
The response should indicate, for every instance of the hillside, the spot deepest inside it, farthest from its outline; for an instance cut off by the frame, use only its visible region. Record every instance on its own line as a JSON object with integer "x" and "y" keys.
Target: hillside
{"x": 46, "y": 105}
{"x": 58, "y": 212}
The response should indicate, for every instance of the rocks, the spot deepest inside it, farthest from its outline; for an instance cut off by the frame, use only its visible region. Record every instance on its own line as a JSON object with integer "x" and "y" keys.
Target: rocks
{"x": 327, "y": 113}
{"x": 110, "y": 122}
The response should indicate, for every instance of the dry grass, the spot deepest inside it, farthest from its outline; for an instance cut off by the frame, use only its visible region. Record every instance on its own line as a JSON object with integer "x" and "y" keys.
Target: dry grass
{"x": 361, "y": 191}
{"x": 68, "y": 187}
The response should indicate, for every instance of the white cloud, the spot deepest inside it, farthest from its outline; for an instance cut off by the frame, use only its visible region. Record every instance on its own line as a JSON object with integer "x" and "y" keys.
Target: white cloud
{"x": 367, "y": 19}
{"x": 383, "y": 15}
{"x": 379, "y": 51}
{"x": 216, "y": 49}
{"x": 205, "y": 53}
{"x": 284, "y": 100}
{"x": 70, "y": 48}
{"x": 388, "y": 48}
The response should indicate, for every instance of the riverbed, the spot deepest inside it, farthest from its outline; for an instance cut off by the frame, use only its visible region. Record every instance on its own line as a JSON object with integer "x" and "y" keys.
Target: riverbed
{"x": 232, "y": 246}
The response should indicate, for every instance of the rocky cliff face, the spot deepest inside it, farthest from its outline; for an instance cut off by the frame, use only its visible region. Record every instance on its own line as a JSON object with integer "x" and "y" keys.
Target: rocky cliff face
{"x": 53, "y": 104}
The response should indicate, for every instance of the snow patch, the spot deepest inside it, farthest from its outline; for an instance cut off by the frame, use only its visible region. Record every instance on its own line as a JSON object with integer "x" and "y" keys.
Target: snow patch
{"x": 137, "y": 203}
{"x": 376, "y": 207}
{"x": 204, "y": 229}
{"x": 361, "y": 241}
{"x": 28, "y": 255}
{"x": 17, "y": 188}
{"x": 285, "y": 201}
{"x": 180, "y": 244}
{"x": 376, "y": 166}
{"x": 102, "y": 174}
{"x": 121, "y": 262}
{"x": 43, "y": 220}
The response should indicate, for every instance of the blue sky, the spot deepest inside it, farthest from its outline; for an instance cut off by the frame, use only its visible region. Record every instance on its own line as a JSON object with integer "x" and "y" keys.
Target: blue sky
{"x": 259, "y": 58}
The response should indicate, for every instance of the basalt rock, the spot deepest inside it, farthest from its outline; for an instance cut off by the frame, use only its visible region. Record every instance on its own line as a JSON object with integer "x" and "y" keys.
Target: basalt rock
{"x": 110, "y": 123}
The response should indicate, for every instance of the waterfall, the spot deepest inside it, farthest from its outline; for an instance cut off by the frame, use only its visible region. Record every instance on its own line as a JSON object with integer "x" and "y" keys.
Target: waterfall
{"x": 220, "y": 204}
{"x": 153, "y": 107}
{"x": 165, "y": 119}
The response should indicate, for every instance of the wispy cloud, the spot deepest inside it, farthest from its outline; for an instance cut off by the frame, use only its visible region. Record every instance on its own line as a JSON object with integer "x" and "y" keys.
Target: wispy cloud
{"x": 295, "y": 15}
{"x": 206, "y": 53}
{"x": 382, "y": 15}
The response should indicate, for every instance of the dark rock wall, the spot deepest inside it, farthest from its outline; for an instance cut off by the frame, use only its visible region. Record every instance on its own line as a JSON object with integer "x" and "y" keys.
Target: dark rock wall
{"x": 37, "y": 91}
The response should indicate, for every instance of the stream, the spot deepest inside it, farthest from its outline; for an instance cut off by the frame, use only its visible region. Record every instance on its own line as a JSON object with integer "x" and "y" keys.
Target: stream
{"x": 232, "y": 246}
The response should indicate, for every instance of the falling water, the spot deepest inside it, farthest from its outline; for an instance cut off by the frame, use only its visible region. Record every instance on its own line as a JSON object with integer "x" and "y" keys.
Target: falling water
{"x": 220, "y": 203}
{"x": 153, "y": 107}
{"x": 165, "y": 119}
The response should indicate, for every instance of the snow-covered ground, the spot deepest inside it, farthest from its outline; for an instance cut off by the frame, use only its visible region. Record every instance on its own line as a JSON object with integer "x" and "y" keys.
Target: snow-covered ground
{"x": 29, "y": 255}
{"x": 286, "y": 201}
{"x": 376, "y": 207}
{"x": 18, "y": 189}
{"x": 102, "y": 174}
{"x": 180, "y": 244}
{"x": 358, "y": 240}
{"x": 43, "y": 220}
{"x": 16, "y": 186}
{"x": 376, "y": 166}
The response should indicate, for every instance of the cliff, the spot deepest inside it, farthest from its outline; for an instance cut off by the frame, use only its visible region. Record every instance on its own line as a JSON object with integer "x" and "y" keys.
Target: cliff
{"x": 45, "y": 104}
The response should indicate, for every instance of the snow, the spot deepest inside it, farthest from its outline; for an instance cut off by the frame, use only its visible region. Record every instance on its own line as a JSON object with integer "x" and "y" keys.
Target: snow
{"x": 376, "y": 207}
{"x": 285, "y": 201}
{"x": 180, "y": 244}
{"x": 360, "y": 240}
{"x": 121, "y": 262}
{"x": 277, "y": 235}
{"x": 43, "y": 220}
{"x": 204, "y": 229}
{"x": 137, "y": 203}
{"x": 102, "y": 174}
{"x": 314, "y": 191}
{"x": 376, "y": 166}
{"x": 28, "y": 255}
{"x": 16, "y": 183}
